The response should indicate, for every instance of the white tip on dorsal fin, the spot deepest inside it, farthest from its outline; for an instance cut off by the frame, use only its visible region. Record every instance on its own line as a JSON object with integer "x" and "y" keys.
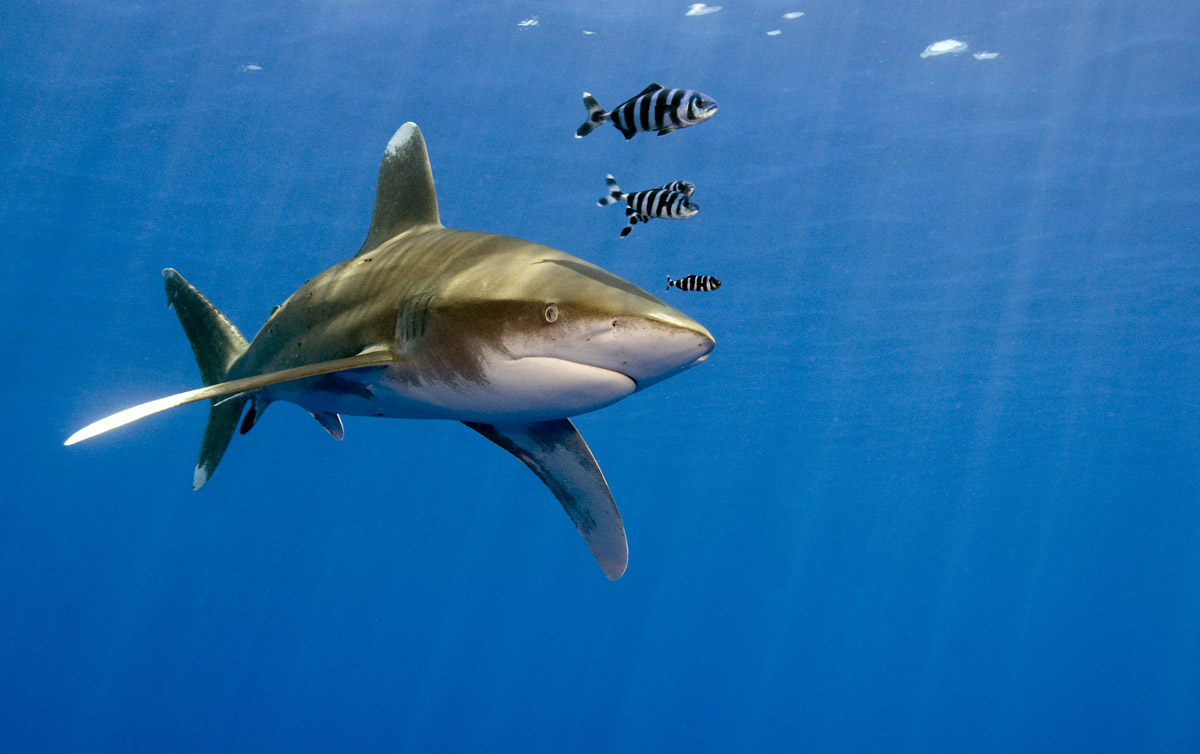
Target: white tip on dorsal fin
{"x": 404, "y": 197}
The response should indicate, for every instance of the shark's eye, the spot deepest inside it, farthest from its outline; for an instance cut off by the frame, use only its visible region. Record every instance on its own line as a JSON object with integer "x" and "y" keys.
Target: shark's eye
{"x": 550, "y": 313}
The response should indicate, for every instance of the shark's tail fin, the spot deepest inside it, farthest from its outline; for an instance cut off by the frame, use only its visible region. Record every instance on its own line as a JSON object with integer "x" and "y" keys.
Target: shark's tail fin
{"x": 614, "y": 194}
{"x": 596, "y": 116}
{"x": 217, "y": 344}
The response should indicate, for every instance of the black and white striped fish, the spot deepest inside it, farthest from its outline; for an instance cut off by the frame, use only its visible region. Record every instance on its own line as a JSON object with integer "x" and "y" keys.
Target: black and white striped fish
{"x": 652, "y": 109}
{"x": 659, "y": 202}
{"x": 685, "y": 187}
{"x": 694, "y": 283}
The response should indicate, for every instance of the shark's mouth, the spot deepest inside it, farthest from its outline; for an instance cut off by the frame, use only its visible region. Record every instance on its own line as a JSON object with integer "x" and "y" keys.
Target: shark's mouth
{"x": 557, "y": 368}
{"x": 553, "y": 385}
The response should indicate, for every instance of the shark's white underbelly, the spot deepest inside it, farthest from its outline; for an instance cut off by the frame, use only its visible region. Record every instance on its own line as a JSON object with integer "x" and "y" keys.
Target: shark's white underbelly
{"x": 511, "y": 390}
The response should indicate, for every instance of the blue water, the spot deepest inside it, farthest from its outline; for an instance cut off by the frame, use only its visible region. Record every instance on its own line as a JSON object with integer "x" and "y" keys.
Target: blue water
{"x": 935, "y": 490}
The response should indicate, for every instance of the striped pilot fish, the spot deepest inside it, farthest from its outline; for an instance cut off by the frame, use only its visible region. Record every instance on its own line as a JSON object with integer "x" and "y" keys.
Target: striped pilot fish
{"x": 652, "y": 109}
{"x": 683, "y": 187}
{"x": 694, "y": 283}
{"x": 667, "y": 201}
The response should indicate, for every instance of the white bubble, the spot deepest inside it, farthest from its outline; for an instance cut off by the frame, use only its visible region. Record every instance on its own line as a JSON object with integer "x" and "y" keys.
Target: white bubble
{"x": 793, "y": 14}
{"x": 700, "y": 9}
{"x": 774, "y": 33}
{"x": 986, "y": 55}
{"x": 945, "y": 47}
{"x": 531, "y": 21}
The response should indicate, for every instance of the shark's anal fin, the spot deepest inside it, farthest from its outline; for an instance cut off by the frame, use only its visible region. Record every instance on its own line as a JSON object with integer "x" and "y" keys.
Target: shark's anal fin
{"x": 371, "y": 358}
{"x": 556, "y": 452}
{"x": 404, "y": 197}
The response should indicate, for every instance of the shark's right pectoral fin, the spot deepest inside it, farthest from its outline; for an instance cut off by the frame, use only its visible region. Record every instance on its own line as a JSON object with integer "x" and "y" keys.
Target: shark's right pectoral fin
{"x": 244, "y": 386}
{"x": 556, "y": 452}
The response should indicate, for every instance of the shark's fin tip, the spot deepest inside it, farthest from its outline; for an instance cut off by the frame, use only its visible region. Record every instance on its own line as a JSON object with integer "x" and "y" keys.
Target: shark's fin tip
{"x": 404, "y": 195}
{"x": 200, "y": 477}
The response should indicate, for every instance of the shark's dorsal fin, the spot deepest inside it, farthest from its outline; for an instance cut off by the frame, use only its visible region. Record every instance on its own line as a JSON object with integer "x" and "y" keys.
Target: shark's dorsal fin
{"x": 404, "y": 196}
{"x": 246, "y": 385}
{"x": 555, "y": 451}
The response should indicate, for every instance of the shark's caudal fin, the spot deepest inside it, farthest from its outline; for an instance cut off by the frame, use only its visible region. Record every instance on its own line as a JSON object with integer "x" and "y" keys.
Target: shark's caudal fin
{"x": 404, "y": 197}
{"x": 556, "y": 452}
{"x": 217, "y": 344}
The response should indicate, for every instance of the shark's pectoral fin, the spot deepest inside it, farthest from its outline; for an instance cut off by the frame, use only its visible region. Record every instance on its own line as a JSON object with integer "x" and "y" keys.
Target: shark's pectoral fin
{"x": 556, "y": 452}
{"x": 246, "y": 385}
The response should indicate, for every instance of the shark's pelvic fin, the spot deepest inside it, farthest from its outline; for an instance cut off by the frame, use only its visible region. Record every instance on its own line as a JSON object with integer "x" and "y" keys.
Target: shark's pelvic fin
{"x": 332, "y": 424}
{"x": 404, "y": 196}
{"x": 246, "y": 385}
{"x": 217, "y": 344}
{"x": 556, "y": 452}
{"x": 257, "y": 406}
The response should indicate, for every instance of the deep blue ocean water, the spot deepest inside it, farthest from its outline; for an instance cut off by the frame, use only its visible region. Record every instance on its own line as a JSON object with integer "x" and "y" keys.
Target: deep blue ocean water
{"x": 937, "y": 489}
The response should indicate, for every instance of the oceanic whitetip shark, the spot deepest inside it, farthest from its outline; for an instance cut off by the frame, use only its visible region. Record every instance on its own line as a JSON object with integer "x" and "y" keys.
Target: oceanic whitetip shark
{"x": 425, "y": 322}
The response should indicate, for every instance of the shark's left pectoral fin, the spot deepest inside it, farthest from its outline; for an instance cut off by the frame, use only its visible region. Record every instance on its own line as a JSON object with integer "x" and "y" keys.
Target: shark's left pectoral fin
{"x": 556, "y": 452}
{"x": 245, "y": 386}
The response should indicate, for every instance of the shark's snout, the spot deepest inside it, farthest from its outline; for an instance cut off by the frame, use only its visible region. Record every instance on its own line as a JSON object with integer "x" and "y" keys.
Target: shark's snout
{"x": 655, "y": 348}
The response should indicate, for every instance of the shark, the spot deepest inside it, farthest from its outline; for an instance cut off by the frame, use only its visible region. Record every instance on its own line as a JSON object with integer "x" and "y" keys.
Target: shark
{"x": 509, "y": 337}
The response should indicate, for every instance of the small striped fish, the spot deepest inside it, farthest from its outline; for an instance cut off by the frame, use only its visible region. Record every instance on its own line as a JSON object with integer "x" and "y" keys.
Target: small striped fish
{"x": 694, "y": 283}
{"x": 668, "y": 201}
{"x": 652, "y": 109}
{"x": 684, "y": 187}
